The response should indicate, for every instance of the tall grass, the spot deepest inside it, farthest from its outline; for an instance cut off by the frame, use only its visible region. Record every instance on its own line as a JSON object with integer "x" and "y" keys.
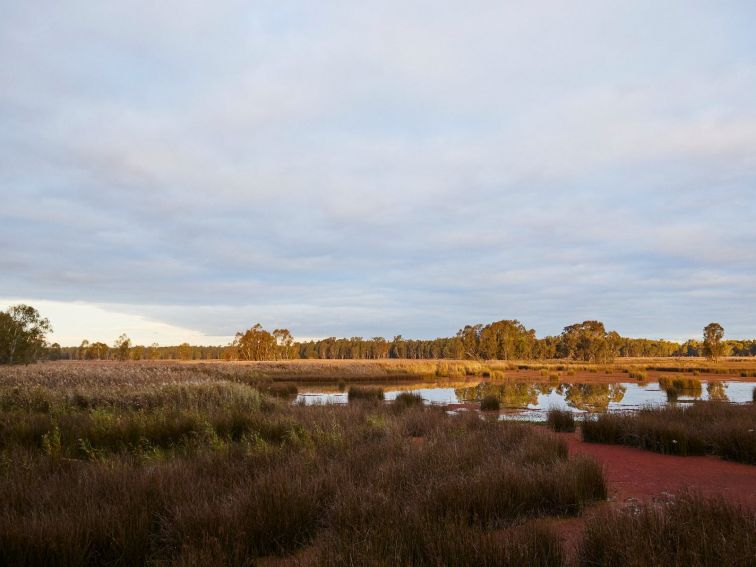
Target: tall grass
{"x": 639, "y": 375}
{"x": 705, "y": 427}
{"x": 490, "y": 403}
{"x": 282, "y": 390}
{"x": 408, "y": 399}
{"x": 675, "y": 387}
{"x": 418, "y": 540}
{"x": 560, "y": 420}
{"x": 689, "y": 530}
{"x": 226, "y": 480}
{"x": 368, "y": 393}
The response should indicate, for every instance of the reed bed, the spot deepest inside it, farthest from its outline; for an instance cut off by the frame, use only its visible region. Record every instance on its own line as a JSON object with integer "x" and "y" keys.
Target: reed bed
{"x": 674, "y": 387}
{"x": 560, "y": 420}
{"x": 490, "y": 403}
{"x": 408, "y": 399}
{"x": 688, "y": 530}
{"x": 124, "y": 375}
{"x": 282, "y": 389}
{"x": 218, "y": 479}
{"x": 367, "y": 393}
{"x": 702, "y": 428}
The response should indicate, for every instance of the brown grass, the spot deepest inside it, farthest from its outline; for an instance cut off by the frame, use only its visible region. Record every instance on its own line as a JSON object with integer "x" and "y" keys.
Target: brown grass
{"x": 711, "y": 427}
{"x": 110, "y": 373}
{"x": 689, "y": 530}
{"x": 560, "y": 420}
{"x": 196, "y": 473}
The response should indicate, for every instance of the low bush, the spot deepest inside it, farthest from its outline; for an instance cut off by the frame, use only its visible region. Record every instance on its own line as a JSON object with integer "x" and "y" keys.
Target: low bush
{"x": 408, "y": 399}
{"x": 560, "y": 420}
{"x": 368, "y": 393}
{"x": 490, "y": 403}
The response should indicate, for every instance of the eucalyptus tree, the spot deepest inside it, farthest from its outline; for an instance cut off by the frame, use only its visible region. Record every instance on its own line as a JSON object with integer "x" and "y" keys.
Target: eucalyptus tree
{"x": 589, "y": 341}
{"x": 255, "y": 344}
{"x": 713, "y": 347}
{"x": 122, "y": 347}
{"x": 23, "y": 334}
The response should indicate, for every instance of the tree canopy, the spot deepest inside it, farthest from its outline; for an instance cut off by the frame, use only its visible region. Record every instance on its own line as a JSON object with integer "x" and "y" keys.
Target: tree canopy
{"x": 23, "y": 339}
{"x": 23, "y": 334}
{"x": 713, "y": 334}
{"x": 590, "y": 342}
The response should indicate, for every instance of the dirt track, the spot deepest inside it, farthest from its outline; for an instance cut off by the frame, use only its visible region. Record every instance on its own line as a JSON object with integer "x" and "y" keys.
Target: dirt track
{"x": 636, "y": 476}
{"x": 643, "y": 475}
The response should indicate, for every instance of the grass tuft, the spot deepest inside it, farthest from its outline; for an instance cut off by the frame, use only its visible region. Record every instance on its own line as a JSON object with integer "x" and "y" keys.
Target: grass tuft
{"x": 560, "y": 420}
{"x": 368, "y": 393}
{"x": 490, "y": 403}
{"x": 408, "y": 399}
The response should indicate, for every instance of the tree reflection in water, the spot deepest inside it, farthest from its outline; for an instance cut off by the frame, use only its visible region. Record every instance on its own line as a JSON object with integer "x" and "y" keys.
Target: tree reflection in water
{"x": 509, "y": 395}
{"x": 716, "y": 391}
{"x": 592, "y": 397}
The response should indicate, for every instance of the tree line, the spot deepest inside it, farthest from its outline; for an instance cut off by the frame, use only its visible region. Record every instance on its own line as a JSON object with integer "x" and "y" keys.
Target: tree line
{"x": 23, "y": 334}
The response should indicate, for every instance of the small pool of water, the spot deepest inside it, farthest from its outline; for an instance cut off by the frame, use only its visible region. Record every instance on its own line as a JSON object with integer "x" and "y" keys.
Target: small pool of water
{"x": 532, "y": 400}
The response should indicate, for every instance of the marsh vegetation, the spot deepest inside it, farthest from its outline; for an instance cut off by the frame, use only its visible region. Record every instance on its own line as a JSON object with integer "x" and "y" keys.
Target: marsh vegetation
{"x": 215, "y": 465}
{"x": 685, "y": 530}
{"x": 726, "y": 430}
{"x": 221, "y": 472}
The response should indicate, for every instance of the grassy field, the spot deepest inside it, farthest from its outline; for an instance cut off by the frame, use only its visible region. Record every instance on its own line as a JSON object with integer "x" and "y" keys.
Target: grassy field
{"x": 685, "y": 531}
{"x": 218, "y": 473}
{"x": 197, "y": 464}
{"x": 84, "y": 373}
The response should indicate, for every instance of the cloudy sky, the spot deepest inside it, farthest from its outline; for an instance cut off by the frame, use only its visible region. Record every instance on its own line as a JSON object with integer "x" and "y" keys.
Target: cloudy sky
{"x": 180, "y": 170}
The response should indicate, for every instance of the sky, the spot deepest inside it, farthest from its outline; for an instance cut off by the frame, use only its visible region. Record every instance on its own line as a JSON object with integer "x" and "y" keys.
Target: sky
{"x": 181, "y": 170}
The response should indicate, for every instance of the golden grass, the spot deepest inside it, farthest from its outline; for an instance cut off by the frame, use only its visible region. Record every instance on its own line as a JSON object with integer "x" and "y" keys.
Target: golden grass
{"x": 88, "y": 374}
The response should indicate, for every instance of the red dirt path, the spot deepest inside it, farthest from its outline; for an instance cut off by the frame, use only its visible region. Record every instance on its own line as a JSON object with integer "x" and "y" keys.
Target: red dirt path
{"x": 643, "y": 475}
{"x": 634, "y": 475}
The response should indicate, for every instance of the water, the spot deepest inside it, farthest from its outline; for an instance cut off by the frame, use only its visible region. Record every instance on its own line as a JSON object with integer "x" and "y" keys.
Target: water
{"x": 533, "y": 400}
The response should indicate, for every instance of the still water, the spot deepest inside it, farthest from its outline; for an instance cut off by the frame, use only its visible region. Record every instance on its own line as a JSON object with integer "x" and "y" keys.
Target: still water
{"x": 532, "y": 400}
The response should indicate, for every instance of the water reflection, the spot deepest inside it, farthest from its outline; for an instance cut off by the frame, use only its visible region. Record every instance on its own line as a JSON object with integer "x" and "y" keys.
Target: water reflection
{"x": 676, "y": 388}
{"x": 532, "y": 400}
{"x": 593, "y": 397}
{"x": 716, "y": 391}
{"x": 509, "y": 395}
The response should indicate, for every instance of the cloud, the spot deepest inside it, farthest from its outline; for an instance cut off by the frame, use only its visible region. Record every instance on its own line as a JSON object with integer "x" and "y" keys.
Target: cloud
{"x": 401, "y": 167}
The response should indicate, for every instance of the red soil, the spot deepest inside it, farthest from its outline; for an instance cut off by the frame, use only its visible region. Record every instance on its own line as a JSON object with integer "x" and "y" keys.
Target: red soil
{"x": 636, "y": 476}
{"x": 643, "y": 475}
